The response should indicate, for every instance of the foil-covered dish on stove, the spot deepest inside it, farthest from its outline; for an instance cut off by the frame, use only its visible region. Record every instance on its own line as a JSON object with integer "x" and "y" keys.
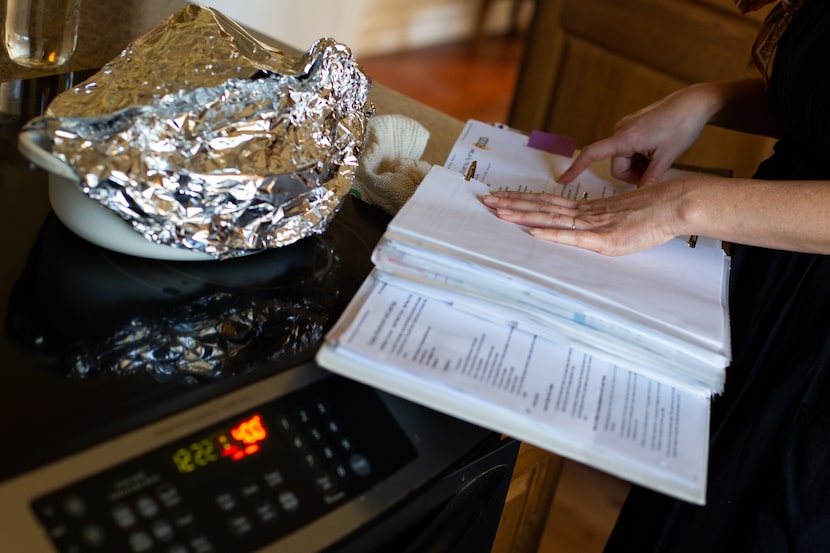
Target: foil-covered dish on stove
{"x": 207, "y": 142}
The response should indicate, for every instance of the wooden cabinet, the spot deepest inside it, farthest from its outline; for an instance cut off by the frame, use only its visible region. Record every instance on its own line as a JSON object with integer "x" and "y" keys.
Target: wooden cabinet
{"x": 588, "y": 63}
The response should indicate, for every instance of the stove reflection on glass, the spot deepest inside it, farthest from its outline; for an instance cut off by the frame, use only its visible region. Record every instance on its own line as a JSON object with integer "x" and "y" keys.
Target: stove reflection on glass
{"x": 85, "y": 311}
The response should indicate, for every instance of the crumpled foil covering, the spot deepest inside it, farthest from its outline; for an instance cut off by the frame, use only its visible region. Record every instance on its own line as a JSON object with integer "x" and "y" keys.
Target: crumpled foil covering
{"x": 202, "y": 137}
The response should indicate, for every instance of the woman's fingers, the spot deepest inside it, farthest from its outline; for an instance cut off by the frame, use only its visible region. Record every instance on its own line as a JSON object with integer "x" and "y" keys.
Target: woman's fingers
{"x": 655, "y": 171}
{"x": 534, "y": 209}
{"x": 539, "y": 219}
{"x": 528, "y": 201}
{"x": 602, "y": 149}
{"x": 569, "y": 237}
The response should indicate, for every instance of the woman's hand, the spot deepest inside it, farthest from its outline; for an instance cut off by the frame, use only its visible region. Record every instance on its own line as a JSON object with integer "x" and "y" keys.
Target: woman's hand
{"x": 643, "y": 147}
{"x": 618, "y": 225}
{"x": 646, "y": 143}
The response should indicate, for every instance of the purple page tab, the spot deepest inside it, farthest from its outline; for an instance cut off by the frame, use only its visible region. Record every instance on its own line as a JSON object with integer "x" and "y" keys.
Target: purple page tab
{"x": 552, "y": 143}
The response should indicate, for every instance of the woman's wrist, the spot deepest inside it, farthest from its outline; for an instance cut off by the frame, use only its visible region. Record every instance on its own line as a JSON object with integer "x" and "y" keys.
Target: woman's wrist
{"x": 689, "y": 204}
{"x": 711, "y": 99}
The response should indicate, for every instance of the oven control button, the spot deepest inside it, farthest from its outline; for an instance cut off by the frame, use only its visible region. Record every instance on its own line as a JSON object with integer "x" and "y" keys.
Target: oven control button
{"x": 226, "y": 501}
{"x": 289, "y": 501}
{"x": 58, "y": 532}
{"x": 240, "y": 525}
{"x": 163, "y": 530}
{"x": 328, "y": 452}
{"x": 273, "y": 478}
{"x": 315, "y": 434}
{"x": 249, "y": 489}
{"x": 140, "y": 542}
{"x": 326, "y": 483}
{"x": 147, "y": 506}
{"x": 184, "y": 520}
{"x": 200, "y": 544}
{"x": 168, "y": 495}
{"x": 123, "y": 515}
{"x": 285, "y": 423}
{"x": 74, "y": 506}
{"x": 360, "y": 465}
{"x": 320, "y": 407}
{"x": 304, "y": 416}
{"x": 310, "y": 461}
{"x": 93, "y": 535}
{"x": 267, "y": 511}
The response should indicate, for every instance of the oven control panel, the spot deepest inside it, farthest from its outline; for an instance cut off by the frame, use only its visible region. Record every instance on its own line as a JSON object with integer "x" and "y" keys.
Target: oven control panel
{"x": 237, "y": 485}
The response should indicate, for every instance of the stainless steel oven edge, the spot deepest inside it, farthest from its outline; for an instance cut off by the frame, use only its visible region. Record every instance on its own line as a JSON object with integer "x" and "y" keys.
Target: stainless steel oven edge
{"x": 439, "y": 440}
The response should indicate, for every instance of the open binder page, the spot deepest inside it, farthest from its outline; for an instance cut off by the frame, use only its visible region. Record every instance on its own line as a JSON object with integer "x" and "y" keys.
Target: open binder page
{"x": 671, "y": 289}
{"x": 504, "y": 161}
{"x": 517, "y": 383}
{"x": 660, "y": 360}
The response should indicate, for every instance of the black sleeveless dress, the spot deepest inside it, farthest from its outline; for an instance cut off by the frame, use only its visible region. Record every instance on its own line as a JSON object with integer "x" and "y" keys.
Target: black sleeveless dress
{"x": 769, "y": 465}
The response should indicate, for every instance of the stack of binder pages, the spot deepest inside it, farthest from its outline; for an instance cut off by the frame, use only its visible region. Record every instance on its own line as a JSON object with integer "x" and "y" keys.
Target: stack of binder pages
{"x": 607, "y": 360}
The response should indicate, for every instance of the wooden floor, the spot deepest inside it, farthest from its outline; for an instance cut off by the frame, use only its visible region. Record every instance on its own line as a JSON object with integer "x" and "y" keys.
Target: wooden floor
{"x": 468, "y": 82}
{"x": 459, "y": 79}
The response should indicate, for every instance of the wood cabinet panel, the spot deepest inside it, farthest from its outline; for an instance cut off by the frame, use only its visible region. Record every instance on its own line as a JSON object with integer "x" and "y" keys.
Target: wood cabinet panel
{"x": 596, "y": 88}
{"x": 686, "y": 39}
{"x": 588, "y": 63}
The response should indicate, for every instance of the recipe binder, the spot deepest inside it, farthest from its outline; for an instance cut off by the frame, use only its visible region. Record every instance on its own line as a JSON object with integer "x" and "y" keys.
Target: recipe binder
{"x": 660, "y": 312}
{"x": 607, "y": 360}
{"x": 523, "y": 385}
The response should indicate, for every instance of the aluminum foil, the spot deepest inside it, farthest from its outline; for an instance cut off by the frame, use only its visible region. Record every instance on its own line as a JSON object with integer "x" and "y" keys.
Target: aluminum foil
{"x": 204, "y": 138}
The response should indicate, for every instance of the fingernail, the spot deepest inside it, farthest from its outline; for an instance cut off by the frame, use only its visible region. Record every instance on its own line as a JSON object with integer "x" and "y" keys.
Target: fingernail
{"x": 503, "y": 211}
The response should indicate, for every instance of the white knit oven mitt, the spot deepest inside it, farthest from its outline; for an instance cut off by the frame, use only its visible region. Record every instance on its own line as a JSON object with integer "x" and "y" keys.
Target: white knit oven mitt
{"x": 391, "y": 167}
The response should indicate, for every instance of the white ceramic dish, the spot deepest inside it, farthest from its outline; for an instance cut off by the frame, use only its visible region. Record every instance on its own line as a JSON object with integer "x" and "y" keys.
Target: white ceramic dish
{"x": 86, "y": 217}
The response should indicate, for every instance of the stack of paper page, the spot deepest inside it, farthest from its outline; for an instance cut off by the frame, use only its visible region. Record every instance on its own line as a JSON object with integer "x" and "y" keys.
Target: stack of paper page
{"x": 607, "y": 360}
{"x": 661, "y": 312}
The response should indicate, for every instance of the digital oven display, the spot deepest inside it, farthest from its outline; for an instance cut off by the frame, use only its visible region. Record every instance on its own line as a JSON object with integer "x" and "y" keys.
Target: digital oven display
{"x": 243, "y": 439}
{"x": 240, "y": 484}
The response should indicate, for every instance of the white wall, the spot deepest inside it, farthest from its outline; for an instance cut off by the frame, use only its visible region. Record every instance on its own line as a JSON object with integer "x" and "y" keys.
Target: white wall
{"x": 366, "y": 26}
{"x": 296, "y": 23}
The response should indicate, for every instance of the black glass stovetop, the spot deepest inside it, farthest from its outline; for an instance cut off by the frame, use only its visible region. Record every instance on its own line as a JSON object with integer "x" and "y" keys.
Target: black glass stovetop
{"x": 96, "y": 343}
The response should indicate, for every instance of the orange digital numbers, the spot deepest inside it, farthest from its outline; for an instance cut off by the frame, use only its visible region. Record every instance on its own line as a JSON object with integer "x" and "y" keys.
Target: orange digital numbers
{"x": 244, "y": 440}
{"x": 247, "y": 434}
{"x": 250, "y": 431}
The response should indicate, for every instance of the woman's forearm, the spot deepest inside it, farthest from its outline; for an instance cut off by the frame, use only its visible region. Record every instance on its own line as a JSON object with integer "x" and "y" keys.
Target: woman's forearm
{"x": 787, "y": 215}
